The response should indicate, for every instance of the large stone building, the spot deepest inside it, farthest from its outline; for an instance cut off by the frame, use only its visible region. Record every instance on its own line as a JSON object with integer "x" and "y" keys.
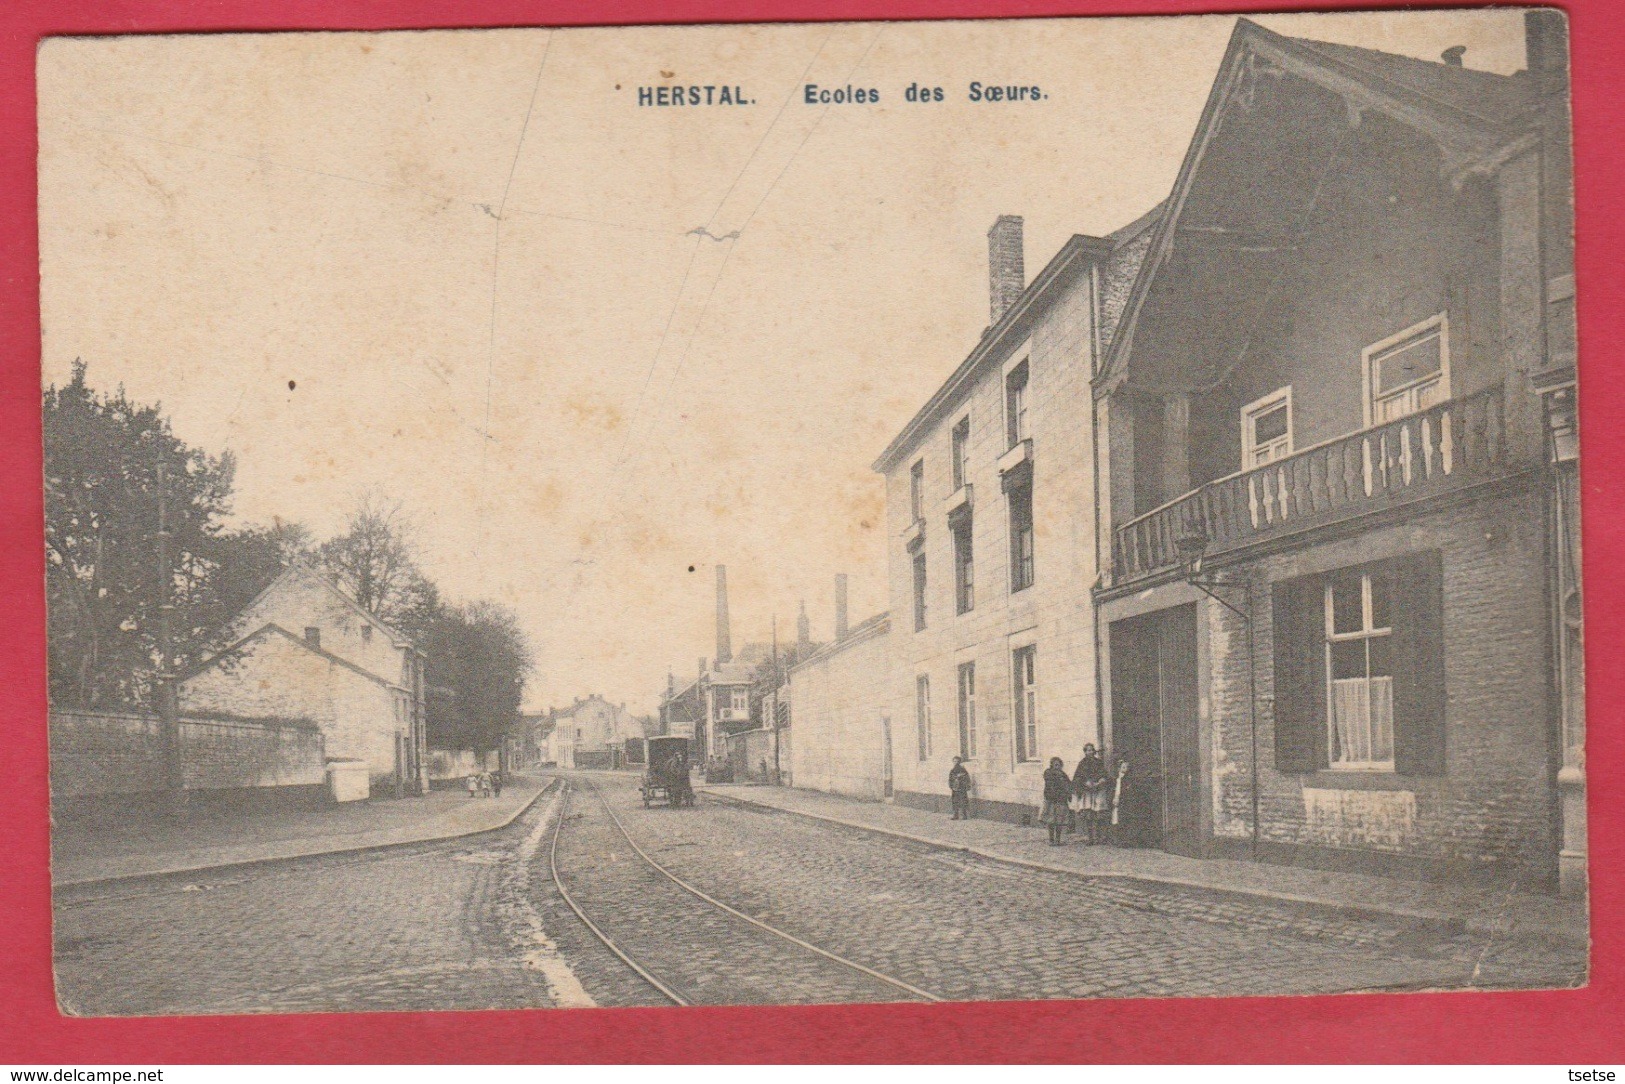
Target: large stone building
{"x": 304, "y": 650}
{"x": 1272, "y": 493}
{"x": 990, "y": 492}
{"x": 1331, "y": 508}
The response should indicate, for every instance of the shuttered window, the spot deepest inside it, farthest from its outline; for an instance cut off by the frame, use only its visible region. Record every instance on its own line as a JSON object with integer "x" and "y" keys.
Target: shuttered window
{"x": 1359, "y": 668}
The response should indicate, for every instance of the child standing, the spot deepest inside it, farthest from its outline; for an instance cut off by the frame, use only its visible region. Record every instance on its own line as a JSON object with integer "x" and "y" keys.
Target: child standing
{"x": 1057, "y": 791}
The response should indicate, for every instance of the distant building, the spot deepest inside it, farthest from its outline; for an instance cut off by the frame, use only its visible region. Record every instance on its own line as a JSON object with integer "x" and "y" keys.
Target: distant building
{"x": 303, "y": 649}
{"x": 592, "y": 733}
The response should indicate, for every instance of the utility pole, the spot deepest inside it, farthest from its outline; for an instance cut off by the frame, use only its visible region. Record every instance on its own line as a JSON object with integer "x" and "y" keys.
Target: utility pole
{"x": 168, "y": 709}
{"x": 776, "y": 767}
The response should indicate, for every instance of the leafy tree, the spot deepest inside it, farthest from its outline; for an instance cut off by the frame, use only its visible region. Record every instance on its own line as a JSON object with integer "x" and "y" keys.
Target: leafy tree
{"x": 105, "y": 588}
{"x": 477, "y": 654}
{"x": 249, "y": 559}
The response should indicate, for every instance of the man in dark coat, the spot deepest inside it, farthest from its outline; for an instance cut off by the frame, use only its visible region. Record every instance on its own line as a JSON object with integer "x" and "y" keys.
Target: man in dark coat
{"x": 959, "y": 789}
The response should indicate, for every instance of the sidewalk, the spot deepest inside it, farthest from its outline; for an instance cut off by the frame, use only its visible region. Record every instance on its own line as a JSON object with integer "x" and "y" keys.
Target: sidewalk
{"x": 146, "y": 848}
{"x": 1479, "y": 910}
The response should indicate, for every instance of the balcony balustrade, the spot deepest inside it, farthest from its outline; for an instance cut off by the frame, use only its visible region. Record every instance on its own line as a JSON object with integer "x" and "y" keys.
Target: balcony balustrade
{"x": 1448, "y": 446}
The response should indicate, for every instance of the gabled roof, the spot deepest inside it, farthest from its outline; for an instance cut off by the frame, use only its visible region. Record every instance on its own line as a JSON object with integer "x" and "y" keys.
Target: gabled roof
{"x": 1471, "y": 113}
{"x": 306, "y": 571}
{"x": 266, "y": 631}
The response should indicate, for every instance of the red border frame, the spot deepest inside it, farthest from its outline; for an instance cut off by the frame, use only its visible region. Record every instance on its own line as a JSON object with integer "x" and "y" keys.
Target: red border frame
{"x": 1562, "y": 1027}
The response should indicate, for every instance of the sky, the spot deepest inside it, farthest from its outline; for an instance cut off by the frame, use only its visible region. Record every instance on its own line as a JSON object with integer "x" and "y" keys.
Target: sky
{"x": 594, "y": 348}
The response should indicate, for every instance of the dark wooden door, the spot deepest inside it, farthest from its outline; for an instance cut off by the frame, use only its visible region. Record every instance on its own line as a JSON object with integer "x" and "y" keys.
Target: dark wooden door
{"x": 1177, "y": 701}
{"x": 1136, "y": 722}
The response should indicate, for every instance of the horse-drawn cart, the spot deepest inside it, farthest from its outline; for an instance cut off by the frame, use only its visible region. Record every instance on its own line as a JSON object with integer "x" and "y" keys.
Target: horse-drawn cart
{"x": 666, "y": 778}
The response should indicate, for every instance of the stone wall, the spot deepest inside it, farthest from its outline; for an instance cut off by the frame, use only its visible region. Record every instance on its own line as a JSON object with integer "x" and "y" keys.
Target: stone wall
{"x": 1053, "y": 616}
{"x": 98, "y": 754}
{"x": 276, "y": 676}
{"x": 840, "y": 705}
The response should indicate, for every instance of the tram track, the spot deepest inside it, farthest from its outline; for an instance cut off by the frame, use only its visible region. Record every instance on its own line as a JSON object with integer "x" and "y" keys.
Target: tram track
{"x": 719, "y": 954}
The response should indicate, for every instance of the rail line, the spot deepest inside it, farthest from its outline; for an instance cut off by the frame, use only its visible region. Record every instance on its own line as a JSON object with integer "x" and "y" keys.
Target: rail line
{"x": 664, "y": 989}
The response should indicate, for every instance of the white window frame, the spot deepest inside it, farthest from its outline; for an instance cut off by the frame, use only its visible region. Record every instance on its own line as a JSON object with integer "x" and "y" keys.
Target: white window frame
{"x": 922, "y": 714}
{"x": 1438, "y": 322}
{"x": 959, "y": 454}
{"x": 916, "y": 490}
{"x": 967, "y": 709}
{"x": 1366, "y": 633}
{"x": 1017, "y": 420}
{"x": 1025, "y": 707}
{"x": 739, "y": 699}
{"x": 1251, "y": 413}
{"x": 919, "y": 572}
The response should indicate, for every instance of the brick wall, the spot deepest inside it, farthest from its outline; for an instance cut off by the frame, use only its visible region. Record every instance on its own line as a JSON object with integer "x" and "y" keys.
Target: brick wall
{"x": 96, "y": 754}
{"x": 1493, "y": 804}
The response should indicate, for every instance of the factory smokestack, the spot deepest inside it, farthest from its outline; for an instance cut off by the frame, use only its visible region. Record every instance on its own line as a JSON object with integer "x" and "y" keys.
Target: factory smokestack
{"x": 840, "y": 605}
{"x": 724, "y": 648}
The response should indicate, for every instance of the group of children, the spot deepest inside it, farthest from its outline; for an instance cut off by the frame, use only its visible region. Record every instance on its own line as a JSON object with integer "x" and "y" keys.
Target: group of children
{"x": 1090, "y": 796}
{"x": 484, "y": 784}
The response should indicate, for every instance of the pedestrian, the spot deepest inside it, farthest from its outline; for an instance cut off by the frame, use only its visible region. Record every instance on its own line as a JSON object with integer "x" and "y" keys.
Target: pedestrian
{"x": 485, "y": 784}
{"x": 1118, "y": 789}
{"x": 959, "y": 789}
{"x": 496, "y": 783}
{"x": 1057, "y": 792}
{"x": 1091, "y": 783}
{"x": 473, "y": 784}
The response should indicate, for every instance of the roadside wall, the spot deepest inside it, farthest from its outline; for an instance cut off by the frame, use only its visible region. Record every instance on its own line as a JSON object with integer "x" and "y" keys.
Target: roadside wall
{"x": 840, "y": 706}
{"x": 98, "y": 754}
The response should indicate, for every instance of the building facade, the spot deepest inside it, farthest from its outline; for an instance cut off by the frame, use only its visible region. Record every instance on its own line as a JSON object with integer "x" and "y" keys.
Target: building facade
{"x": 303, "y": 649}
{"x": 1327, "y": 480}
{"x": 990, "y": 494}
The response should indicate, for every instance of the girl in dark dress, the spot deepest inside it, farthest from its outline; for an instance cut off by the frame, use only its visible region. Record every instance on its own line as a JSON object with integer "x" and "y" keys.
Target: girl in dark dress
{"x": 1092, "y": 782}
{"x": 1057, "y": 792}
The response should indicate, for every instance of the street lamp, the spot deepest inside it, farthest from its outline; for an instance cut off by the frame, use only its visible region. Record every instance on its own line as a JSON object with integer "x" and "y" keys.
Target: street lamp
{"x": 1191, "y": 548}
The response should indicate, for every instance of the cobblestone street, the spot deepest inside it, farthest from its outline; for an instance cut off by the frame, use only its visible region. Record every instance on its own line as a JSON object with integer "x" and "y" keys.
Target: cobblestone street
{"x": 478, "y": 923}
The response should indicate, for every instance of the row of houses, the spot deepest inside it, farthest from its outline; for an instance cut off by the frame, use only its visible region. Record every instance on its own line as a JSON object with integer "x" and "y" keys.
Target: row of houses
{"x": 1272, "y": 493}
{"x": 590, "y": 733}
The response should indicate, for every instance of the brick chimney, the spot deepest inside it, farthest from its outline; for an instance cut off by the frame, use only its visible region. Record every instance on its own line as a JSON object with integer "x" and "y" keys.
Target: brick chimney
{"x": 803, "y": 632}
{"x": 1006, "y": 273}
{"x": 840, "y": 606}
{"x": 1546, "y": 48}
{"x": 724, "y": 649}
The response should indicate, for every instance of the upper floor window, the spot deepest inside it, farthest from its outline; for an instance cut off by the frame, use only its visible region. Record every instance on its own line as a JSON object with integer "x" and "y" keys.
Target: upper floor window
{"x": 1266, "y": 429}
{"x": 964, "y": 568}
{"x": 739, "y": 699}
{"x": 1408, "y": 372}
{"x": 961, "y": 446}
{"x": 1021, "y": 536}
{"x": 1015, "y": 403}
{"x": 919, "y": 591}
{"x": 916, "y": 490}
